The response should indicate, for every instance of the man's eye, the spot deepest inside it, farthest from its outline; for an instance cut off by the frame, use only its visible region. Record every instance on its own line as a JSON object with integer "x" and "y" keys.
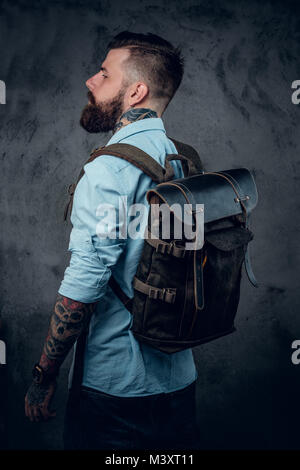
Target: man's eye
{"x": 104, "y": 75}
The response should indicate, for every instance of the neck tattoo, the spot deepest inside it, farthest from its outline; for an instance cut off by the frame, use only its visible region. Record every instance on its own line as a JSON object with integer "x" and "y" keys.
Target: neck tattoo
{"x": 132, "y": 115}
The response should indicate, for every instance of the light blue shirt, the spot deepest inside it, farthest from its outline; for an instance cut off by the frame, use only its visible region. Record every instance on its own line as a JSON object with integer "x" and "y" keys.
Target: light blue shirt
{"x": 115, "y": 362}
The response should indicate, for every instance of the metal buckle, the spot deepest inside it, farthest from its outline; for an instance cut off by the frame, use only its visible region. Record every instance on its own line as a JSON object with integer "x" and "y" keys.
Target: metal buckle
{"x": 171, "y": 292}
{"x": 161, "y": 248}
{"x": 165, "y": 248}
{"x": 153, "y": 293}
{"x": 160, "y": 293}
{"x": 163, "y": 293}
{"x": 71, "y": 189}
{"x": 170, "y": 247}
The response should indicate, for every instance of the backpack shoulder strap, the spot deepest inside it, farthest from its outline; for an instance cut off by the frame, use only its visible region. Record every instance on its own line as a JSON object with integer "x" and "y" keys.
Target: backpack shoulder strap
{"x": 137, "y": 157}
{"x": 189, "y": 152}
{"x": 144, "y": 161}
{"x": 132, "y": 154}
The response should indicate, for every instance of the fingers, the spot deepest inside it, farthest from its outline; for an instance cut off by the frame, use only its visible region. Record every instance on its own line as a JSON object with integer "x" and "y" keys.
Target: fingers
{"x": 27, "y": 408}
{"x": 46, "y": 413}
{"x": 32, "y": 412}
{"x": 38, "y": 413}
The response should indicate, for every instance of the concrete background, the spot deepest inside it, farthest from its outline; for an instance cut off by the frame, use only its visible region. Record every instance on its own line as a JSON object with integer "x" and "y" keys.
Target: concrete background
{"x": 234, "y": 106}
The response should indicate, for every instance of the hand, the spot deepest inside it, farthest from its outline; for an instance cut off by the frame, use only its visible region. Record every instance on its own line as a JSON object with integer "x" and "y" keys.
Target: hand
{"x": 38, "y": 400}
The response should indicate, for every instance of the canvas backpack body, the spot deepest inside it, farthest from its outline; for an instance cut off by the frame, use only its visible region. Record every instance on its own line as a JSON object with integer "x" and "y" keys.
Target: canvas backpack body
{"x": 186, "y": 297}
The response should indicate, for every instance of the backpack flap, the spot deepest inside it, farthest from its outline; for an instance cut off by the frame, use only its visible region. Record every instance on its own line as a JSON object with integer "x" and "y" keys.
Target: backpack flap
{"x": 224, "y": 193}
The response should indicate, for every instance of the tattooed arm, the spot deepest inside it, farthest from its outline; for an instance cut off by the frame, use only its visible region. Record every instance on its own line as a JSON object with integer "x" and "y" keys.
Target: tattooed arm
{"x": 87, "y": 276}
{"x": 67, "y": 322}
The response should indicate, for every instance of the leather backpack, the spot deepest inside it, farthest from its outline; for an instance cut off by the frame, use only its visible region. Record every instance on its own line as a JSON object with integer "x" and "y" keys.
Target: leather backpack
{"x": 185, "y": 297}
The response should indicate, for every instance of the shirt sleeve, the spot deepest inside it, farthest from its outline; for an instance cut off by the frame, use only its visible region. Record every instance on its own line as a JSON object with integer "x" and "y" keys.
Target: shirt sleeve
{"x": 97, "y": 239}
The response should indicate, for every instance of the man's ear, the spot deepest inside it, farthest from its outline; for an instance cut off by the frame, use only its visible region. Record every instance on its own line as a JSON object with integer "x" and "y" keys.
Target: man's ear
{"x": 138, "y": 93}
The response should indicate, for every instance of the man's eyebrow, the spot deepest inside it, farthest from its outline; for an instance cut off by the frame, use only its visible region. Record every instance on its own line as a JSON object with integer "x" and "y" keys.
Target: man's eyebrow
{"x": 104, "y": 69}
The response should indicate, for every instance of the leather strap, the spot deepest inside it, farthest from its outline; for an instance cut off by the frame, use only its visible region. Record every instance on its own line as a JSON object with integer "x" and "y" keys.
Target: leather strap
{"x": 165, "y": 247}
{"x": 189, "y": 152}
{"x": 127, "y": 301}
{"x": 198, "y": 279}
{"x": 140, "y": 159}
{"x": 247, "y": 262}
{"x": 132, "y": 154}
{"x": 189, "y": 168}
{"x": 249, "y": 270}
{"x": 78, "y": 364}
{"x": 145, "y": 162}
{"x": 167, "y": 294}
{"x": 71, "y": 190}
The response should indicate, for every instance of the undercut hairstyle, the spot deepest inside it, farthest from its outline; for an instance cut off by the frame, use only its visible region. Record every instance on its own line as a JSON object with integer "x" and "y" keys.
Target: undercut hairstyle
{"x": 152, "y": 60}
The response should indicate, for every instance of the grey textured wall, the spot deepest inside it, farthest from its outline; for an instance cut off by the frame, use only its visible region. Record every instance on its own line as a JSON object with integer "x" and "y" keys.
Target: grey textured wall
{"x": 234, "y": 106}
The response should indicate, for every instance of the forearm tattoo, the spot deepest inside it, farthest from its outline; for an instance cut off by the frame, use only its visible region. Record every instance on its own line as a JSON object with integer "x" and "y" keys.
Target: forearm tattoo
{"x": 67, "y": 322}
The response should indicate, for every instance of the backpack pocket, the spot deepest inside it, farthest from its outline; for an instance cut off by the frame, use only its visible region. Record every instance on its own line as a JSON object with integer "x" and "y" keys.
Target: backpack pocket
{"x": 225, "y": 252}
{"x": 230, "y": 238}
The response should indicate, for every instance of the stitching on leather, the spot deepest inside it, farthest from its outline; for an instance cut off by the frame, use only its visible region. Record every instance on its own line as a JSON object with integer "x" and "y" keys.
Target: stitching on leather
{"x": 234, "y": 180}
{"x": 182, "y": 184}
{"x": 233, "y": 187}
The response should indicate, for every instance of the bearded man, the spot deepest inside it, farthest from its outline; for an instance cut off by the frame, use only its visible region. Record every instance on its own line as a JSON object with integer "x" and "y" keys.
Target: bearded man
{"x": 132, "y": 396}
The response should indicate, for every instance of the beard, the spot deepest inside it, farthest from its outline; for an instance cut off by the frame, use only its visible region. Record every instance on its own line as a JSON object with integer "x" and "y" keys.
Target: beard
{"x": 103, "y": 116}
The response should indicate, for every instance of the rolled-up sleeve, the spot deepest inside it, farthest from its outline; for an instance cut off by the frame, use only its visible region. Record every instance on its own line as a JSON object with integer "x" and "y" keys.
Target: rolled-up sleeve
{"x": 98, "y": 198}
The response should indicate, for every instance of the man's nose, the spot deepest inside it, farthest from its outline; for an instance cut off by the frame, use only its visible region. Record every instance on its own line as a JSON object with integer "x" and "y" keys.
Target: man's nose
{"x": 89, "y": 83}
{"x": 92, "y": 81}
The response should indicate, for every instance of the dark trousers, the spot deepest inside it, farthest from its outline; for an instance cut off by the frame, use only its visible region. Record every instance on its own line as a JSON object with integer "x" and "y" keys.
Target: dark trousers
{"x": 100, "y": 421}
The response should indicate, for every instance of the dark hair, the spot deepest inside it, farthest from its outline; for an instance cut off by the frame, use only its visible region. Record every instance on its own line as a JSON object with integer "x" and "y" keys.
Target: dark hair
{"x": 154, "y": 60}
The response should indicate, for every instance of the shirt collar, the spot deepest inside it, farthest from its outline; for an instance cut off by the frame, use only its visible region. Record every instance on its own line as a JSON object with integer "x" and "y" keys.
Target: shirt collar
{"x": 136, "y": 127}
